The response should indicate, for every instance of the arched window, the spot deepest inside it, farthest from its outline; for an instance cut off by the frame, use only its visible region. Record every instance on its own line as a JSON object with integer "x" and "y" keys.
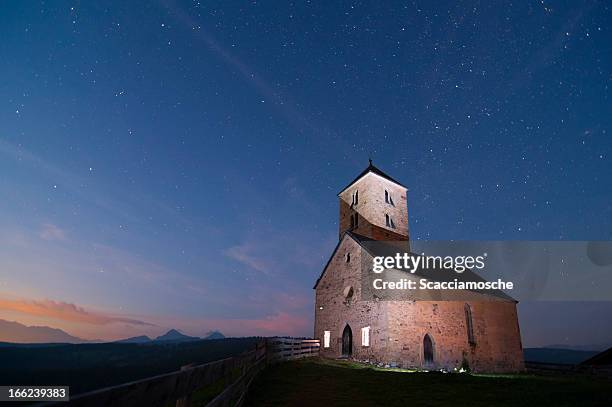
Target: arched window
{"x": 428, "y": 350}
{"x": 469, "y": 324}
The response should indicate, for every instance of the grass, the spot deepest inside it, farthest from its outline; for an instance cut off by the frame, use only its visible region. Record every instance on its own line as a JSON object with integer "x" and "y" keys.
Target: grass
{"x": 319, "y": 382}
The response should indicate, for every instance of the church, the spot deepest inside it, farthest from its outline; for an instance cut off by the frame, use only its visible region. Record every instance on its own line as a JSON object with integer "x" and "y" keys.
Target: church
{"x": 479, "y": 331}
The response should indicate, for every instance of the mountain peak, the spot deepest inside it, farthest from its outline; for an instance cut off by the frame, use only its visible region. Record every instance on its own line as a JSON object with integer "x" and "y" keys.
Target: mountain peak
{"x": 11, "y": 331}
{"x": 175, "y": 335}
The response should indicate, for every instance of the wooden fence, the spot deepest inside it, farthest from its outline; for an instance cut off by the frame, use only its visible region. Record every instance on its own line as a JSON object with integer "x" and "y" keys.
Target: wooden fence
{"x": 230, "y": 378}
{"x": 288, "y": 348}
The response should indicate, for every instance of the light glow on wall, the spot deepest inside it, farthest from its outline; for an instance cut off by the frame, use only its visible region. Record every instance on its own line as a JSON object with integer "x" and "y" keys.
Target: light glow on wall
{"x": 365, "y": 336}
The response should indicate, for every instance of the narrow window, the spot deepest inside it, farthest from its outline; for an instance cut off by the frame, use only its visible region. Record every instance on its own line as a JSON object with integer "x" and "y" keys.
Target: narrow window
{"x": 352, "y": 221}
{"x": 356, "y": 220}
{"x": 365, "y": 336}
{"x": 386, "y": 196}
{"x": 356, "y": 197}
{"x": 469, "y": 324}
{"x": 326, "y": 336}
{"x": 387, "y": 219}
{"x": 392, "y": 223}
{"x": 428, "y": 350}
{"x": 348, "y": 257}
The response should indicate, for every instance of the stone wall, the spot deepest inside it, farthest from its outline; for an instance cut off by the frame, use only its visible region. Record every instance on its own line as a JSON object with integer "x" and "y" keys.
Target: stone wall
{"x": 397, "y": 328}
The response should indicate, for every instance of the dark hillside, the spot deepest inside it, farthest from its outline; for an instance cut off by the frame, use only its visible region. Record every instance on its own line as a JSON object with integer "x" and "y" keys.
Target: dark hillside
{"x": 86, "y": 367}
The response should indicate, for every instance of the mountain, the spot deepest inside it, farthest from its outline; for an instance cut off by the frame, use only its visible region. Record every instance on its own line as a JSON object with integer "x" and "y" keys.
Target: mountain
{"x": 135, "y": 339}
{"x": 175, "y": 336}
{"x": 15, "y": 332}
{"x": 593, "y": 347}
{"x": 556, "y": 355}
{"x": 214, "y": 335}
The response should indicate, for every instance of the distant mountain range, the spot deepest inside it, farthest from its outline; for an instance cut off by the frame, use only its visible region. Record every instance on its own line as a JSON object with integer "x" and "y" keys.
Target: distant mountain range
{"x": 14, "y": 332}
{"x": 19, "y": 333}
{"x": 556, "y": 355}
{"x": 597, "y": 347}
{"x": 172, "y": 336}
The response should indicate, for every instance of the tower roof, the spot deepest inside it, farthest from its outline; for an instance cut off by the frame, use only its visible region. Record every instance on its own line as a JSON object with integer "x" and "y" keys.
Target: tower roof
{"x": 373, "y": 169}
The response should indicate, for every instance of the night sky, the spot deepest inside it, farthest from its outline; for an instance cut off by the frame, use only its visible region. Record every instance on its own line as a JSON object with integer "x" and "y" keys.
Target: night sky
{"x": 176, "y": 164}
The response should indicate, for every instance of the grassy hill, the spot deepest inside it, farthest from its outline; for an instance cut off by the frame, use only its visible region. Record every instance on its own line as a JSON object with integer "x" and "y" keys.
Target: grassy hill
{"x": 318, "y": 382}
{"x": 86, "y": 367}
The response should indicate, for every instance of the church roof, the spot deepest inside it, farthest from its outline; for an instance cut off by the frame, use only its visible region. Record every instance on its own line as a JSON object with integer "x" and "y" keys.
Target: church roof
{"x": 382, "y": 248}
{"x": 375, "y": 170}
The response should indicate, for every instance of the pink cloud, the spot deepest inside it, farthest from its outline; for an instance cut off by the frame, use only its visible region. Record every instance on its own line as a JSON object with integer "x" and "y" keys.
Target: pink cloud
{"x": 64, "y": 311}
{"x": 243, "y": 254}
{"x": 50, "y": 231}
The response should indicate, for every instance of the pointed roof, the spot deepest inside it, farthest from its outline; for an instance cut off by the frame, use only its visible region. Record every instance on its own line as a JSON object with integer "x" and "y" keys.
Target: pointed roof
{"x": 373, "y": 169}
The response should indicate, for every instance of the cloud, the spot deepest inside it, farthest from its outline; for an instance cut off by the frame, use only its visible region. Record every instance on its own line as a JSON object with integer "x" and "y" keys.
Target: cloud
{"x": 50, "y": 231}
{"x": 244, "y": 254}
{"x": 65, "y": 311}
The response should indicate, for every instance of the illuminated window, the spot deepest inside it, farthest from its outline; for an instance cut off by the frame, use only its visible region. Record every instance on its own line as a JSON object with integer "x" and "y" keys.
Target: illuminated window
{"x": 365, "y": 336}
{"x": 326, "y": 336}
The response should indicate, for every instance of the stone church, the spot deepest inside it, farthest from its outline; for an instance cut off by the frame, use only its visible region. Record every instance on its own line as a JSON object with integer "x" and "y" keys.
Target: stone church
{"x": 479, "y": 331}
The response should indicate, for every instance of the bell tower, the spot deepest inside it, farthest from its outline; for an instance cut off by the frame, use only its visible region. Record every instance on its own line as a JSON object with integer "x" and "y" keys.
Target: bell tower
{"x": 374, "y": 205}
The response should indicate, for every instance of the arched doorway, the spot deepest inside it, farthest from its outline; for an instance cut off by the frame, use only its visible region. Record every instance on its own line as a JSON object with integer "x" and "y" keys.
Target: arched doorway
{"x": 347, "y": 341}
{"x": 428, "y": 351}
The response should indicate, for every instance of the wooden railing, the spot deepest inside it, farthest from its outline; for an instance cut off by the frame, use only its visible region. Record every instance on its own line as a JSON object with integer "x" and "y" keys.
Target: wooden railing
{"x": 230, "y": 378}
{"x": 280, "y": 349}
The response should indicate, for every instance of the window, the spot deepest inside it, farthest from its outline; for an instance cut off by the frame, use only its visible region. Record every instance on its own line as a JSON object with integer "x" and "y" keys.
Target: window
{"x": 389, "y": 222}
{"x": 469, "y": 325}
{"x": 352, "y": 221}
{"x": 356, "y": 197}
{"x": 365, "y": 336}
{"x": 428, "y": 350}
{"x": 326, "y": 336}
{"x": 348, "y": 257}
{"x": 388, "y": 198}
{"x": 356, "y": 220}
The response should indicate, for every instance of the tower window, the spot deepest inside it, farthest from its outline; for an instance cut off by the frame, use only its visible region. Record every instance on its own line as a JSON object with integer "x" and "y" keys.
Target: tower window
{"x": 365, "y": 336}
{"x": 389, "y": 222}
{"x": 355, "y": 198}
{"x": 356, "y": 220}
{"x": 469, "y": 325}
{"x": 326, "y": 337}
{"x": 348, "y": 257}
{"x": 352, "y": 221}
{"x": 388, "y": 198}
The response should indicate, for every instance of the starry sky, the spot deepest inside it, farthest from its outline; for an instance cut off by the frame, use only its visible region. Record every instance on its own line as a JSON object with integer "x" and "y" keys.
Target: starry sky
{"x": 176, "y": 164}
